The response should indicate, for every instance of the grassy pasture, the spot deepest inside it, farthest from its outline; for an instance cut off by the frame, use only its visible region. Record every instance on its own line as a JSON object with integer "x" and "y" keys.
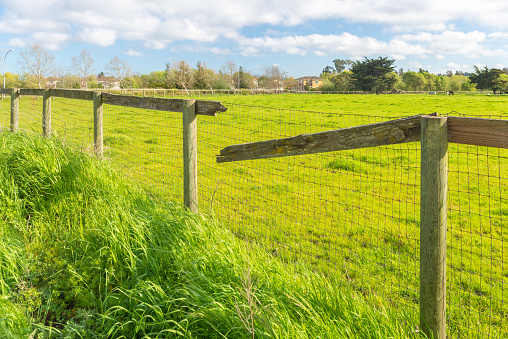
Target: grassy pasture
{"x": 352, "y": 214}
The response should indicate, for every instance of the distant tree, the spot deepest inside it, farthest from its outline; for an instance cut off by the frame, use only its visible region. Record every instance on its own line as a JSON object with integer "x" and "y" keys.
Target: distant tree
{"x": 181, "y": 74}
{"x": 204, "y": 78}
{"x": 12, "y": 80}
{"x": 228, "y": 72}
{"x": 246, "y": 79}
{"x": 468, "y": 86}
{"x": 36, "y": 61}
{"x": 83, "y": 65}
{"x": 263, "y": 82}
{"x": 455, "y": 82}
{"x": 275, "y": 76}
{"x": 342, "y": 82}
{"x": 290, "y": 82}
{"x": 327, "y": 71}
{"x": 129, "y": 82}
{"x": 374, "y": 75}
{"x": 430, "y": 81}
{"x": 414, "y": 81}
{"x": 155, "y": 79}
{"x": 119, "y": 69}
{"x": 494, "y": 79}
{"x": 440, "y": 83}
{"x": 341, "y": 65}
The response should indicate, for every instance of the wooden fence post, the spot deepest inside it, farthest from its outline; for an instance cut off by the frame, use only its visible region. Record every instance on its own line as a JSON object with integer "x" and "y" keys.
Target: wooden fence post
{"x": 97, "y": 123}
{"x": 433, "y": 214}
{"x": 190, "y": 156}
{"x": 46, "y": 114}
{"x": 14, "y": 110}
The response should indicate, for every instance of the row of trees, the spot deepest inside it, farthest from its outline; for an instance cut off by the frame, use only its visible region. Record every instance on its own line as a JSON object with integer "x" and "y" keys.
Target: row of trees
{"x": 378, "y": 75}
{"x": 371, "y": 75}
{"x": 38, "y": 66}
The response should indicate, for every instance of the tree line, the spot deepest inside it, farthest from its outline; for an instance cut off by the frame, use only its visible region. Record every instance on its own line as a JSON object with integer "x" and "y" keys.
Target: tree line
{"x": 369, "y": 75}
{"x": 379, "y": 75}
{"x": 38, "y": 67}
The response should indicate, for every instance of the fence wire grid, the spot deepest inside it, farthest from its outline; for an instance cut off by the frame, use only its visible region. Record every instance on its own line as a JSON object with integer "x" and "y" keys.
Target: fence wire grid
{"x": 351, "y": 214}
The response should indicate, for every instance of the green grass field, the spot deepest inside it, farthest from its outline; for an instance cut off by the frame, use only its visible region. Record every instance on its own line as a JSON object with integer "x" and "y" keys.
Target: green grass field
{"x": 85, "y": 253}
{"x": 354, "y": 215}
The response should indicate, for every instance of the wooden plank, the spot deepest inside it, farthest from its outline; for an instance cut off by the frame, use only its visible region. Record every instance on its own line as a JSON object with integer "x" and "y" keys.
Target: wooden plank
{"x": 32, "y": 91}
{"x": 372, "y": 135}
{"x": 71, "y": 94}
{"x": 14, "y": 109}
{"x": 433, "y": 209}
{"x": 190, "y": 156}
{"x": 162, "y": 104}
{"x": 479, "y": 132}
{"x": 5, "y": 91}
{"x": 98, "y": 125}
{"x": 46, "y": 114}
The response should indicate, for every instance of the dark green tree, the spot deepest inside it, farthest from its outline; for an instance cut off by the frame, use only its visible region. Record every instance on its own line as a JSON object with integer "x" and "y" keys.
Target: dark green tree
{"x": 374, "y": 75}
{"x": 341, "y": 65}
{"x": 493, "y": 79}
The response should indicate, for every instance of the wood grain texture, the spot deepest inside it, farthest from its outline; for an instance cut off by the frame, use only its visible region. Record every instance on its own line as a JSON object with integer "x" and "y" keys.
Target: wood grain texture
{"x": 98, "y": 128}
{"x": 433, "y": 215}
{"x": 190, "y": 156}
{"x": 46, "y": 114}
{"x": 162, "y": 104}
{"x": 71, "y": 94}
{"x": 32, "y": 91}
{"x": 14, "y": 110}
{"x": 372, "y": 135}
{"x": 480, "y": 132}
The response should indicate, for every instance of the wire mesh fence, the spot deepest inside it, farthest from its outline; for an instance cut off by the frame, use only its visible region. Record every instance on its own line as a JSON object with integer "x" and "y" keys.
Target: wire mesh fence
{"x": 477, "y": 260}
{"x": 352, "y": 214}
{"x": 30, "y": 114}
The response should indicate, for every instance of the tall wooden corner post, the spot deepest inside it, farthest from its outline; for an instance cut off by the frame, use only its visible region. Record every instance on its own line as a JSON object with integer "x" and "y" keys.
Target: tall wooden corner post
{"x": 46, "y": 114}
{"x": 433, "y": 214}
{"x": 98, "y": 123}
{"x": 14, "y": 110}
{"x": 190, "y": 156}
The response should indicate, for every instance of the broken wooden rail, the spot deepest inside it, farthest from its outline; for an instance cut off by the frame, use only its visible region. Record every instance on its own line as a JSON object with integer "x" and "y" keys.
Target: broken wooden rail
{"x": 434, "y": 133}
{"x": 461, "y": 130}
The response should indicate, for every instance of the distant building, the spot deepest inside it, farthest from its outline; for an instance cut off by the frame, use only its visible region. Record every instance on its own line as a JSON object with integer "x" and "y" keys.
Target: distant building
{"x": 108, "y": 82}
{"x": 306, "y": 83}
{"x": 51, "y": 82}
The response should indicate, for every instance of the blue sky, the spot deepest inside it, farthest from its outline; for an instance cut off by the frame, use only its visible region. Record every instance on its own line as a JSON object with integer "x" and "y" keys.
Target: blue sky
{"x": 301, "y": 36}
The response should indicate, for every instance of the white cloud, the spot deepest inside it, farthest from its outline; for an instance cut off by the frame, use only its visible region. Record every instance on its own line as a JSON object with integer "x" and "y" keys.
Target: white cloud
{"x": 322, "y": 45}
{"x": 220, "y": 51}
{"x": 134, "y": 53}
{"x": 52, "y": 41}
{"x": 98, "y": 36}
{"x": 161, "y": 22}
{"x": 17, "y": 42}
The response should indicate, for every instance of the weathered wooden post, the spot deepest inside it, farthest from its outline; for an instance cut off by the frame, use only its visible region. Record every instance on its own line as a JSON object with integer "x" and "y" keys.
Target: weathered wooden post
{"x": 190, "y": 156}
{"x": 14, "y": 110}
{"x": 46, "y": 114}
{"x": 97, "y": 123}
{"x": 433, "y": 204}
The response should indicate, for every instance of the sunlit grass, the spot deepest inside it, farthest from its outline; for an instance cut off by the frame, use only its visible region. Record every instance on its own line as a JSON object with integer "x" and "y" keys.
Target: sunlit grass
{"x": 353, "y": 215}
{"x": 85, "y": 254}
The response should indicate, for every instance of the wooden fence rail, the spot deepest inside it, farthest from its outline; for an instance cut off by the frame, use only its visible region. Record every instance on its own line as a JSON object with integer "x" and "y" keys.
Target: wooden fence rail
{"x": 189, "y": 108}
{"x": 434, "y": 133}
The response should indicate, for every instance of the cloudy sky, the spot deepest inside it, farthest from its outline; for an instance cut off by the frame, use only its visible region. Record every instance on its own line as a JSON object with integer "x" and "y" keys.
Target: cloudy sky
{"x": 302, "y": 36}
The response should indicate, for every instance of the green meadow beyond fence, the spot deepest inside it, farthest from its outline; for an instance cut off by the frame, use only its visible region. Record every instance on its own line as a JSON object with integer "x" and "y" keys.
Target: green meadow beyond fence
{"x": 411, "y": 210}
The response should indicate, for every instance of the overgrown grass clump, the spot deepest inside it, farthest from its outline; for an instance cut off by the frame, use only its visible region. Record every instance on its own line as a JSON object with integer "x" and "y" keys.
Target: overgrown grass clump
{"x": 86, "y": 254}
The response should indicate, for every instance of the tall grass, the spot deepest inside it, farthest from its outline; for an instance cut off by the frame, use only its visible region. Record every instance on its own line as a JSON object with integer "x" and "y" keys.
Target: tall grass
{"x": 86, "y": 254}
